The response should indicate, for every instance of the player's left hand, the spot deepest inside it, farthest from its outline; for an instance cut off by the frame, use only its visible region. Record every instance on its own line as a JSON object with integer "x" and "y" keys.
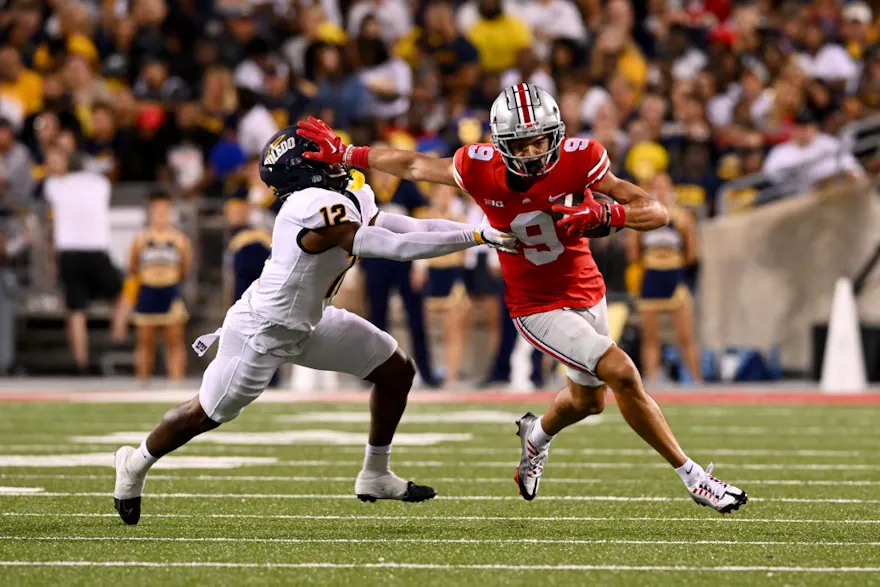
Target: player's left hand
{"x": 503, "y": 241}
{"x": 589, "y": 215}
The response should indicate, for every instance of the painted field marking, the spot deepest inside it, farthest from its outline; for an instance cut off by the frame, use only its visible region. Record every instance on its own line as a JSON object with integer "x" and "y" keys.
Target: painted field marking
{"x": 285, "y": 438}
{"x": 499, "y": 480}
{"x": 511, "y": 452}
{"x": 20, "y": 490}
{"x": 346, "y": 496}
{"x": 442, "y": 567}
{"x": 429, "y": 541}
{"x": 105, "y": 459}
{"x": 357, "y": 518}
{"x": 219, "y": 462}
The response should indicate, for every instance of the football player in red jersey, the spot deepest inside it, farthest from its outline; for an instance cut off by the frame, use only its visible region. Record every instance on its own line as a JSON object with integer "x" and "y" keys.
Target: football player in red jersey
{"x": 554, "y": 290}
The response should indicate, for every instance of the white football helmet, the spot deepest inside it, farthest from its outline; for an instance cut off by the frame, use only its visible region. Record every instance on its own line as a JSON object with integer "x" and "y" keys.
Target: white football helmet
{"x": 524, "y": 111}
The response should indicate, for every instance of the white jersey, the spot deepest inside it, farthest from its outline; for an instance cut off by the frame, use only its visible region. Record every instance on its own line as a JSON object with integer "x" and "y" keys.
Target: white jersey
{"x": 295, "y": 285}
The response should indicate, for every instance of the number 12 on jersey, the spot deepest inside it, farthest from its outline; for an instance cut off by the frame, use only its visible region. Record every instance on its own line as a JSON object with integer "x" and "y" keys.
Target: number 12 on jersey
{"x": 338, "y": 212}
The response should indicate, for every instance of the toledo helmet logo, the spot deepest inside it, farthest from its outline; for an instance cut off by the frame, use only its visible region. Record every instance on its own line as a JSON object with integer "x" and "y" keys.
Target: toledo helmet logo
{"x": 278, "y": 148}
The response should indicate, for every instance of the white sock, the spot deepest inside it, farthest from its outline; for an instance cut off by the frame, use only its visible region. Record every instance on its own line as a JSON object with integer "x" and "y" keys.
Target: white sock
{"x": 141, "y": 460}
{"x": 538, "y": 437}
{"x": 690, "y": 473}
{"x": 377, "y": 458}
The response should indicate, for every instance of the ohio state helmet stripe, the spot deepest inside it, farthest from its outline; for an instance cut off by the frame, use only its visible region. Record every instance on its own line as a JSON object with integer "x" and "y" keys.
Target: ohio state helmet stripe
{"x": 524, "y": 101}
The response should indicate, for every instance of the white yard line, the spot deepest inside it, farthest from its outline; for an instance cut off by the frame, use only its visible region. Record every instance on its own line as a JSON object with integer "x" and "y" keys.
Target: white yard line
{"x": 499, "y": 480}
{"x": 442, "y": 567}
{"x": 427, "y": 541}
{"x": 355, "y": 518}
{"x": 28, "y": 492}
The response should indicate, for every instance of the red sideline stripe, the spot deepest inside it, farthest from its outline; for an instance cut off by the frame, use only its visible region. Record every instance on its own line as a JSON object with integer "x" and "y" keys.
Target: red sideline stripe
{"x": 527, "y": 117}
{"x": 543, "y": 348}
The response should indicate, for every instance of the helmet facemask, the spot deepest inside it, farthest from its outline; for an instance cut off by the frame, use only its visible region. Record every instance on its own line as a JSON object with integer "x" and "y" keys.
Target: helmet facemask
{"x": 530, "y": 165}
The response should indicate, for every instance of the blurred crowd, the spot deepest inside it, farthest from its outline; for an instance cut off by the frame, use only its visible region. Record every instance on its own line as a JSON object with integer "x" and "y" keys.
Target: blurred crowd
{"x": 186, "y": 92}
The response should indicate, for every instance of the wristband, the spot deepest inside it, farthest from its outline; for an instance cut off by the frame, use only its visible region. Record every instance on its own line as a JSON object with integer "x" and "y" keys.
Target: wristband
{"x": 617, "y": 216}
{"x": 356, "y": 157}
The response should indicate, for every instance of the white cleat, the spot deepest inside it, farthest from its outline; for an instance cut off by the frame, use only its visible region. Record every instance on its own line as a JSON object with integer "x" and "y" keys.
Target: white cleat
{"x": 370, "y": 486}
{"x": 129, "y": 487}
{"x": 718, "y": 495}
{"x": 531, "y": 463}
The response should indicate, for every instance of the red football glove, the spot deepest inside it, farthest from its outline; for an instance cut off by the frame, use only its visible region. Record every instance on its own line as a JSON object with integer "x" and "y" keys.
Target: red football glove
{"x": 590, "y": 215}
{"x": 331, "y": 148}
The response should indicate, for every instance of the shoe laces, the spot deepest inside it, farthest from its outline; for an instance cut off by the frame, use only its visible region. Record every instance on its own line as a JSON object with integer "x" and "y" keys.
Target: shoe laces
{"x": 536, "y": 462}
{"x": 711, "y": 483}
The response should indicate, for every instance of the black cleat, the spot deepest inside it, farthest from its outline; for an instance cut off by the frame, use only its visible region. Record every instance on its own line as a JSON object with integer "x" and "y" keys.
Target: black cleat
{"x": 128, "y": 509}
{"x": 413, "y": 494}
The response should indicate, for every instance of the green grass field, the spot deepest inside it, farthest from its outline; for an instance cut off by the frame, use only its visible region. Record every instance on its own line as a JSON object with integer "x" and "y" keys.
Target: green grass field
{"x": 283, "y": 513}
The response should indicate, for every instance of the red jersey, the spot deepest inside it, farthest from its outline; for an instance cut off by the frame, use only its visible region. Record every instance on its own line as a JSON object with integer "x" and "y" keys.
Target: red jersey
{"x": 551, "y": 271}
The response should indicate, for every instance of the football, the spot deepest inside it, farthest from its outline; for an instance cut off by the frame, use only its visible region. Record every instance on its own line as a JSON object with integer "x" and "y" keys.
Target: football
{"x": 574, "y": 200}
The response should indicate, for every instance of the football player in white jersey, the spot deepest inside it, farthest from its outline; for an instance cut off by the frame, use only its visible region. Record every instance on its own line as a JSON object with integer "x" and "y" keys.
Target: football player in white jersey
{"x": 327, "y": 221}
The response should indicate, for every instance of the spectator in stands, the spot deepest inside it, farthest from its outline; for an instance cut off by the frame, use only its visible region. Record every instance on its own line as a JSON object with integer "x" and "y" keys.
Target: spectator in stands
{"x": 454, "y": 56}
{"x": 159, "y": 258}
{"x": 616, "y": 51}
{"x": 696, "y": 182}
{"x": 824, "y": 59}
{"x": 105, "y": 142}
{"x": 255, "y": 123}
{"x": 15, "y": 168}
{"x": 388, "y": 78}
{"x": 342, "y": 98}
{"x": 809, "y": 157}
{"x": 23, "y": 29}
{"x": 856, "y": 30}
{"x": 314, "y": 27}
{"x": 191, "y": 144}
{"x": 286, "y": 97}
{"x": 528, "y": 69}
{"x": 394, "y": 17}
{"x": 550, "y": 20}
{"x": 154, "y": 84}
{"x": 21, "y": 90}
{"x": 80, "y": 202}
{"x": 498, "y": 36}
{"x": 146, "y": 158}
{"x": 218, "y": 99}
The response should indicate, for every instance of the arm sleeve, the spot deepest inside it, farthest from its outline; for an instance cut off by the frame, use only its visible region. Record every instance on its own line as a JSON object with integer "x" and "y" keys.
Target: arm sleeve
{"x": 401, "y": 224}
{"x": 458, "y": 167}
{"x": 377, "y": 242}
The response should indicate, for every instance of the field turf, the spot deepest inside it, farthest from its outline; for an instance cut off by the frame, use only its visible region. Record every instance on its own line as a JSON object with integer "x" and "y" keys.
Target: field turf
{"x": 610, "y": 511}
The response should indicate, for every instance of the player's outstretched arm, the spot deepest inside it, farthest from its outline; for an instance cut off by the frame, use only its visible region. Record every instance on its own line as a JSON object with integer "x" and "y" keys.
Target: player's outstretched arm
{"x": 641, "y": 211}
{"x": 406, "y": 164}
{"x": 402, "y": 224}
{"x": 377, "y": 242}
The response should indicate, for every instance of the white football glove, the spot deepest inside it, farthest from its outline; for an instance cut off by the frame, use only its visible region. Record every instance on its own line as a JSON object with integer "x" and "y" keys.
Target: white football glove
{"x": 503, "y": 241}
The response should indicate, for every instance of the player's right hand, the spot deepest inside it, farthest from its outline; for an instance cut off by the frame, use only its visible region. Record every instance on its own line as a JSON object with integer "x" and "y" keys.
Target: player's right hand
{"x": 331, "y": 148}
{"x": 503, "y": 241}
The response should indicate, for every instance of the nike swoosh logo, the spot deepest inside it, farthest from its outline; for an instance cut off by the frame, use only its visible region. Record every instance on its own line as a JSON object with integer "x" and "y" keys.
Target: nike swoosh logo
{"x": 689, "y": 470}
{"x": 556, "y": 197}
